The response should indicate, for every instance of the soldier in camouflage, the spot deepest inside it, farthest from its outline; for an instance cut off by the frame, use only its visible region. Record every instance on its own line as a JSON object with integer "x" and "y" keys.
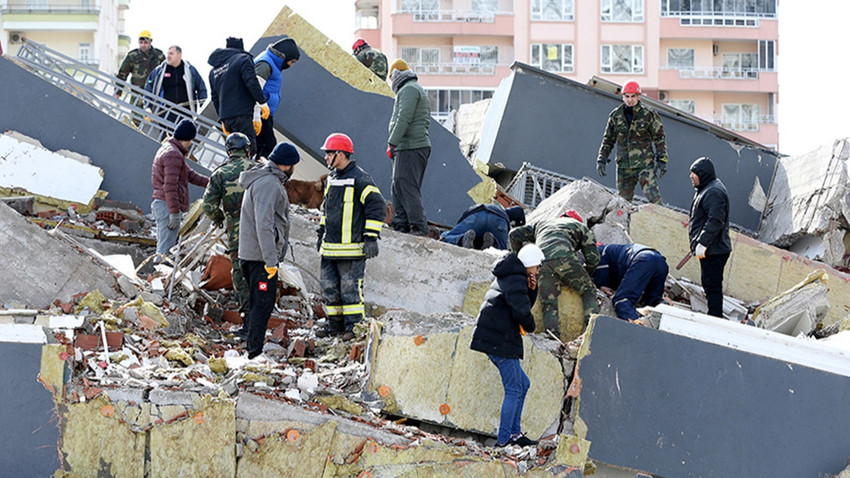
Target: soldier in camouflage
{"x": 635, "y": 129}
{"x": 561, "y": 239}
{"x": 224, "y": 192}
{"x": 370, "y": 58}
{"x": 140, "y": 62}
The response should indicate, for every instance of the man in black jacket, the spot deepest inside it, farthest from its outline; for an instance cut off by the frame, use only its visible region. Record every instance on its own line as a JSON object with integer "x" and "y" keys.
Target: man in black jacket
{"x": 708, "y": 231}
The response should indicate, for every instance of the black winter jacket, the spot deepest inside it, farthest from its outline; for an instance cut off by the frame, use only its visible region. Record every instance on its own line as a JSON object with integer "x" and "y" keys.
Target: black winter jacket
{"x": 507, "y": 305}
{"x": 234, "y": 87}
{"x": 709, "y": 219}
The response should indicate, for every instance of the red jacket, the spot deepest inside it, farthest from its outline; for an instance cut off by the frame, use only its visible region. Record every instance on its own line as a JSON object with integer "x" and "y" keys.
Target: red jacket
{"x": 171, "y": 176}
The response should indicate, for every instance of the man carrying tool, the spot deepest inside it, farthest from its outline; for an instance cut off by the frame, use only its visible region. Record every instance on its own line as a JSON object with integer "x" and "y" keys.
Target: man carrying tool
{"x": 636, "y": 272}
{"x": 223, "y": 204}
{"x": 353, "y": 213}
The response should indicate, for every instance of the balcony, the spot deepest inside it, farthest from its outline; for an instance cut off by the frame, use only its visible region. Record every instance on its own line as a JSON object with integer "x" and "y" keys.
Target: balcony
{"x": 718, "y": 28}
{"x": 28, "y": 8}
{"x": 453, "y": 22}
{"x": 718, "y": 78}
{"x": 475, "y": 60}
{"x": 744, "y": 125}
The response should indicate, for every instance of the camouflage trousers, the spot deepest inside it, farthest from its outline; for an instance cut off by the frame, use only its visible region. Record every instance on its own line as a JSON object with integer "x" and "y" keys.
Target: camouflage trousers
{"x": 240, "y": 284}
{"x": 627, "y": 178}
{"x": 564, "y": 271}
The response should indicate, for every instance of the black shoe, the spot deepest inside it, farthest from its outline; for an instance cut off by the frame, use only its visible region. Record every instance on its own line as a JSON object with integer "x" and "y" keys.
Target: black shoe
{"x": 468, "y": 239}
{"x": 523, "y": 441}
{"x": 348, "y": 336}
{"x": 242, "y": 333}
{"x": 488, "y": 241}
{"x": 324, "y": 333}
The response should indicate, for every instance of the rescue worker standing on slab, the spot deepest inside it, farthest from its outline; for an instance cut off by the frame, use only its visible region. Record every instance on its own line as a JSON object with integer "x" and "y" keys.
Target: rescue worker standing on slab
{"x": 353, "y": 213}
{"x": 268, "y": 65}
{"x": 370, "y": 58}
{"x": 264, "y": 236}
{"x": 635, "y": 129}
{"x": 708, "y": 231}
{"x": 140, "y": 62}
{"x": 561, "y": 239}
{"x": 636, "y": 272}
{"x": 409, "y": 147}
{"x": 223, "y": 205}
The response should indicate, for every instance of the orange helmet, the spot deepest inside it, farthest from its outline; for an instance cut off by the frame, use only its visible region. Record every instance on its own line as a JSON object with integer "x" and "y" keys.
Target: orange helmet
{"x": 338, "y": 142}
{"x": 358, "y": 44}
{"x": 631, "y": 87}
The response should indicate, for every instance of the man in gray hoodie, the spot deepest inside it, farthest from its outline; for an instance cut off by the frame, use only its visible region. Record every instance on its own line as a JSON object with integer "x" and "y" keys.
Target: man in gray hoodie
{"x": 264, "y": 236}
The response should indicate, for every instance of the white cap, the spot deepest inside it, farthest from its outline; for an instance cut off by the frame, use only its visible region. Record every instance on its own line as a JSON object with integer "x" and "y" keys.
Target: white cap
{"x": 530, "y": 255}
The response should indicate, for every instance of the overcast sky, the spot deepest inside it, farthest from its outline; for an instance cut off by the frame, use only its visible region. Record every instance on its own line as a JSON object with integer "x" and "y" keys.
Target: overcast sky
{"x": 812, "y": 63}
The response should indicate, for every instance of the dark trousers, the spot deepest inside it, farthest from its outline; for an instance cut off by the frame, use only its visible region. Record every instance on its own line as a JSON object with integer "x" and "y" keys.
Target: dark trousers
{"x": 408, "y": 171}
{"x": 711, "y": 275}
{"x": 643, "y": 281}
{"x": 342, "y": 287}
{"x": 242, "y": 124}
{"x": 266, "y": 140}
{"x": 261, "y": 293}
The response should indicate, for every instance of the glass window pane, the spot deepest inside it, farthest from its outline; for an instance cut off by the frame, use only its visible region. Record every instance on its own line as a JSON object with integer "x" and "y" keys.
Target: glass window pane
{"x": 680, "y": 57}
{"x": 535, "y": 54}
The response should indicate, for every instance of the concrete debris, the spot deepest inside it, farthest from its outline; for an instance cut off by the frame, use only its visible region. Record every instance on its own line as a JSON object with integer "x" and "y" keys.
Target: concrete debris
{"x": 798, "y": 310}
{"x": 466, "y": 123}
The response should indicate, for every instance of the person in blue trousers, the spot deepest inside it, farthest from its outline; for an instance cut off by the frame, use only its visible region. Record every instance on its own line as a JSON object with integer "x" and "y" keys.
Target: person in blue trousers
{"x": 485, "y": 225}
{"x": 636, "y": 272}
{"x": 503, "y": 319}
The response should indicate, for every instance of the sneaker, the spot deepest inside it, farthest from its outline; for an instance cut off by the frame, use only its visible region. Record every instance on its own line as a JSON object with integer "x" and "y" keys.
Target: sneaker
{"x": 468, "y": 239}
{"x": 488, "y": 241}
{"x": 522, "y": 441}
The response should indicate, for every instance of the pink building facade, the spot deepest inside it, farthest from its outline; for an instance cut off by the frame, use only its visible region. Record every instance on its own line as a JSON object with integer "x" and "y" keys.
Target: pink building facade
{"x": 716, "y": 59}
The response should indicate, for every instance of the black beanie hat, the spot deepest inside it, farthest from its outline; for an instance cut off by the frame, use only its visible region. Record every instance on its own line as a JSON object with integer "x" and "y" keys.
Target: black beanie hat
{"x": 516, "y": 215}
{"x": 288, "y": 48}
{"x": 284, "y": 154}
{"x": 185, "y": 131}
{"x": 234, "y": 42}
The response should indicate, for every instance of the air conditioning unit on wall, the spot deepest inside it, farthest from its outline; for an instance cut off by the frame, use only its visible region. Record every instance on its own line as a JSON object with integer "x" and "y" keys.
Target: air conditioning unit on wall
{"x": 662, "y": 95}
{"x": 16, "y": 37}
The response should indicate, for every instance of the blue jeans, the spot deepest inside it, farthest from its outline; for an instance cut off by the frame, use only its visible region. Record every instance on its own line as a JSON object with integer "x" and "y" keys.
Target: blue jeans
{"x": 480, "y": 222}
{"x": 165, "y": 238}
{"x": 515, "y": 383}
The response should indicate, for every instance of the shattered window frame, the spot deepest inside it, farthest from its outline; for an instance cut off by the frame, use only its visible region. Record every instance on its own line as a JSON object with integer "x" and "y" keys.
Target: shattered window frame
{"x": 740, "y": 116}
{"x": 565, "y": 61}
{"x": 680, "y": 58}
{"x": 553, "y": 10}
{"x": 688, "y": 106}
{"x": 621, "y": 59}
{"x": 445, "y": 100}
{"x": 622, "y": 11}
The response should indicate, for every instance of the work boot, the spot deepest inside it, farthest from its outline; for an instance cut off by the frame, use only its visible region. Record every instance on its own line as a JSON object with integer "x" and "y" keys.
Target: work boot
{"x": 488, "y": 241}
{"x": 468, "y": 239}
{"x": 348, "y": 336}
{"x": 326, "y": 332}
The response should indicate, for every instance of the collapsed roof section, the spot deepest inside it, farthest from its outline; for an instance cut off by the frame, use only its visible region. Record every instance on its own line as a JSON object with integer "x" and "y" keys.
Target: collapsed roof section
{"x": 556, "y": 124}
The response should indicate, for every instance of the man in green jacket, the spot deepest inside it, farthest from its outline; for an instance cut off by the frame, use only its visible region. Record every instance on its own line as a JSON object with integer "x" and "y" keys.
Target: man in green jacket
{"x": 370, "y": 58}
{"x": 635, "y": 129}
{"x": 140, "y": 62}
{"x": 408, "y": 147}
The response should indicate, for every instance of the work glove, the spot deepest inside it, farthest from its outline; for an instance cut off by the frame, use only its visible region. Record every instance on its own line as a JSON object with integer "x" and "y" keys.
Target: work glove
{"x": 321, "y": 231}
{"x": 700, "y": 251}
{"x": 370, "y": 247}
{"x": 272, "y": 271}
{"x": 660, "y": 167}
{"x": 265, "y": 111}
{"x": 390, "y": 151}
{"x": 223, "y": 129}
{"x": 258, "y": 119}
{"x": 218, "y": 218}
{"x": 173, "y": 220}
{"x": 600, "y": 166}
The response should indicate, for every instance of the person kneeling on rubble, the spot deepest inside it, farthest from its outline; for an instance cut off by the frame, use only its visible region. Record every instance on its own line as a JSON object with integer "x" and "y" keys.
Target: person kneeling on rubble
{"x": 636, "y": 272}
{"x": 503, "y": 319}
{"x": 353, "y": 213}
{"x": 264, "y": 236}
{"x": 485, "y": 225}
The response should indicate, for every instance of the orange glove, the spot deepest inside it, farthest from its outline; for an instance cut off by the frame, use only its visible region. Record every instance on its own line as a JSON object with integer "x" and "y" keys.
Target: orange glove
{"x": 265, "y": 111}
{"x": 521, "y": 330}
{"x": 258, "y": 126}
{"x": 226, "y": 133}
{"x": 272, "y": 271}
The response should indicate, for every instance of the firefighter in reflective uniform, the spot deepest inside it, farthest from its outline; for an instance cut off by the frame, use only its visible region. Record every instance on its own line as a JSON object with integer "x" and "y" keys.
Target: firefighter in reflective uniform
{"x": 353, "y": 213}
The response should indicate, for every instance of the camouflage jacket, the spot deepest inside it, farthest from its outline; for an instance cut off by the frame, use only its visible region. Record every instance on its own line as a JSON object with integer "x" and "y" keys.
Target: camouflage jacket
{"x": 224, "y": 192}
{"x": 140, "y": 65}
{"x": 634, "y": 144}
{"x": 558, "y": 238}
{"x": 374, "y": 60}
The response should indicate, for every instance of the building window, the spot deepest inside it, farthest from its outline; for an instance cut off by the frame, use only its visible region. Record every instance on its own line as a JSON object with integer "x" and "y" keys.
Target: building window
{"x": 622, "y": 59}
{"x": 487, "y": 6}
{"x": 421, "y": 56}
{"x": 366, "y": 19}
{"x": 552, "y": 57}
{"x": 741, "y": 117}
{"x": 680, "y": 58}
{"x": 443, "y": 102}
{"x": 766, "y": 55}
{"x": 85, "y": 52}
{"x": 688, "y": 106}
{"x": 416, "y": 6}
{"x": 728, "y": 8}
{"x": 622, "y": 11}
{"x": 740, "y": 65}
{"x": 555, "y": 10}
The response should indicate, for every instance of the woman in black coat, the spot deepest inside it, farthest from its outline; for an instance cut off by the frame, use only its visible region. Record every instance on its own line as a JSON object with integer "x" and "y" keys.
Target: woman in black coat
{"x": 504, "y": 317}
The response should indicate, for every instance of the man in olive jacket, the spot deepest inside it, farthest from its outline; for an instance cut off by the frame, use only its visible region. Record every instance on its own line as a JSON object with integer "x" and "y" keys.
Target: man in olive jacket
{"x": 409, "y": 148}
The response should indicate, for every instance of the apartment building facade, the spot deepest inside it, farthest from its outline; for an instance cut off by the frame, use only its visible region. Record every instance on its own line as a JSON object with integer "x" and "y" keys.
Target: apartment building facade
{"x": 91, "y": 31}
{"x": 716, "y": 59}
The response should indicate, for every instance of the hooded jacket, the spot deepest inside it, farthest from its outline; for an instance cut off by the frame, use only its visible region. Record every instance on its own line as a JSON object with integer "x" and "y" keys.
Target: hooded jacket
{"x": 170, "y": 176}
{"x": 709, "y": 218}
{"x": 233, "y": 83}
{"x": 507, "y": 305}
{"x": 264, "y": 218}
{"x": 275, "y": 56}
{"x": 196, "y": 90}
{"x": 411, "y": 116}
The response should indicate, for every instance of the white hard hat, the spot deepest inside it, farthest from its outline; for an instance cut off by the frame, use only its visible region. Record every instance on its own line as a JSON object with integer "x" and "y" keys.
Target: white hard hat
{"x": 530, "y": 255}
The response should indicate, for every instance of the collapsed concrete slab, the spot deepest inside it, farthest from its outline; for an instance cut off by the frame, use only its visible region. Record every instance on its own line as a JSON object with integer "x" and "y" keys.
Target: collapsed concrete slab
{"x": 462, "y": 390}
{"x": 562, "y": 131}
{"x": 798, "y": 310}
{"x": 700, "y": 426}
{"x": 40, "y": 268}
{"x": 755, "y": 272}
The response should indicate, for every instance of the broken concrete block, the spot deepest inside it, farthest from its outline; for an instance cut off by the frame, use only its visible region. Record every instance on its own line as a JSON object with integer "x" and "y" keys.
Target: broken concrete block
{"x": 23, "y": 205}
{"x": 608, "y": 233}
{"x": 591, "y": 200}
{"x": 437, "y": 378}
{"x": 798, "y": 310}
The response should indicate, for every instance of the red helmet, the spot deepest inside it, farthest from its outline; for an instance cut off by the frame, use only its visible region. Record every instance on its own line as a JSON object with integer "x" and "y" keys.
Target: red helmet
{"x": 573, "y": 214}
{"x": 338, "y": 142}
{"x": 358, "y": 44}
{"x": 631, "y": 87}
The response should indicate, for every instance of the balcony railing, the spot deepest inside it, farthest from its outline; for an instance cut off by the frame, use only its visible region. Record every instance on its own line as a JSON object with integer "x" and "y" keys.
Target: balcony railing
{"x": 457, "y": 60}
{"x": 24, "y": 7}
{"x": 713, "y": 73}
{"x": 744, "y": 125}
{"x": 717, "y": 14}
{"x": 453, "y": 68}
